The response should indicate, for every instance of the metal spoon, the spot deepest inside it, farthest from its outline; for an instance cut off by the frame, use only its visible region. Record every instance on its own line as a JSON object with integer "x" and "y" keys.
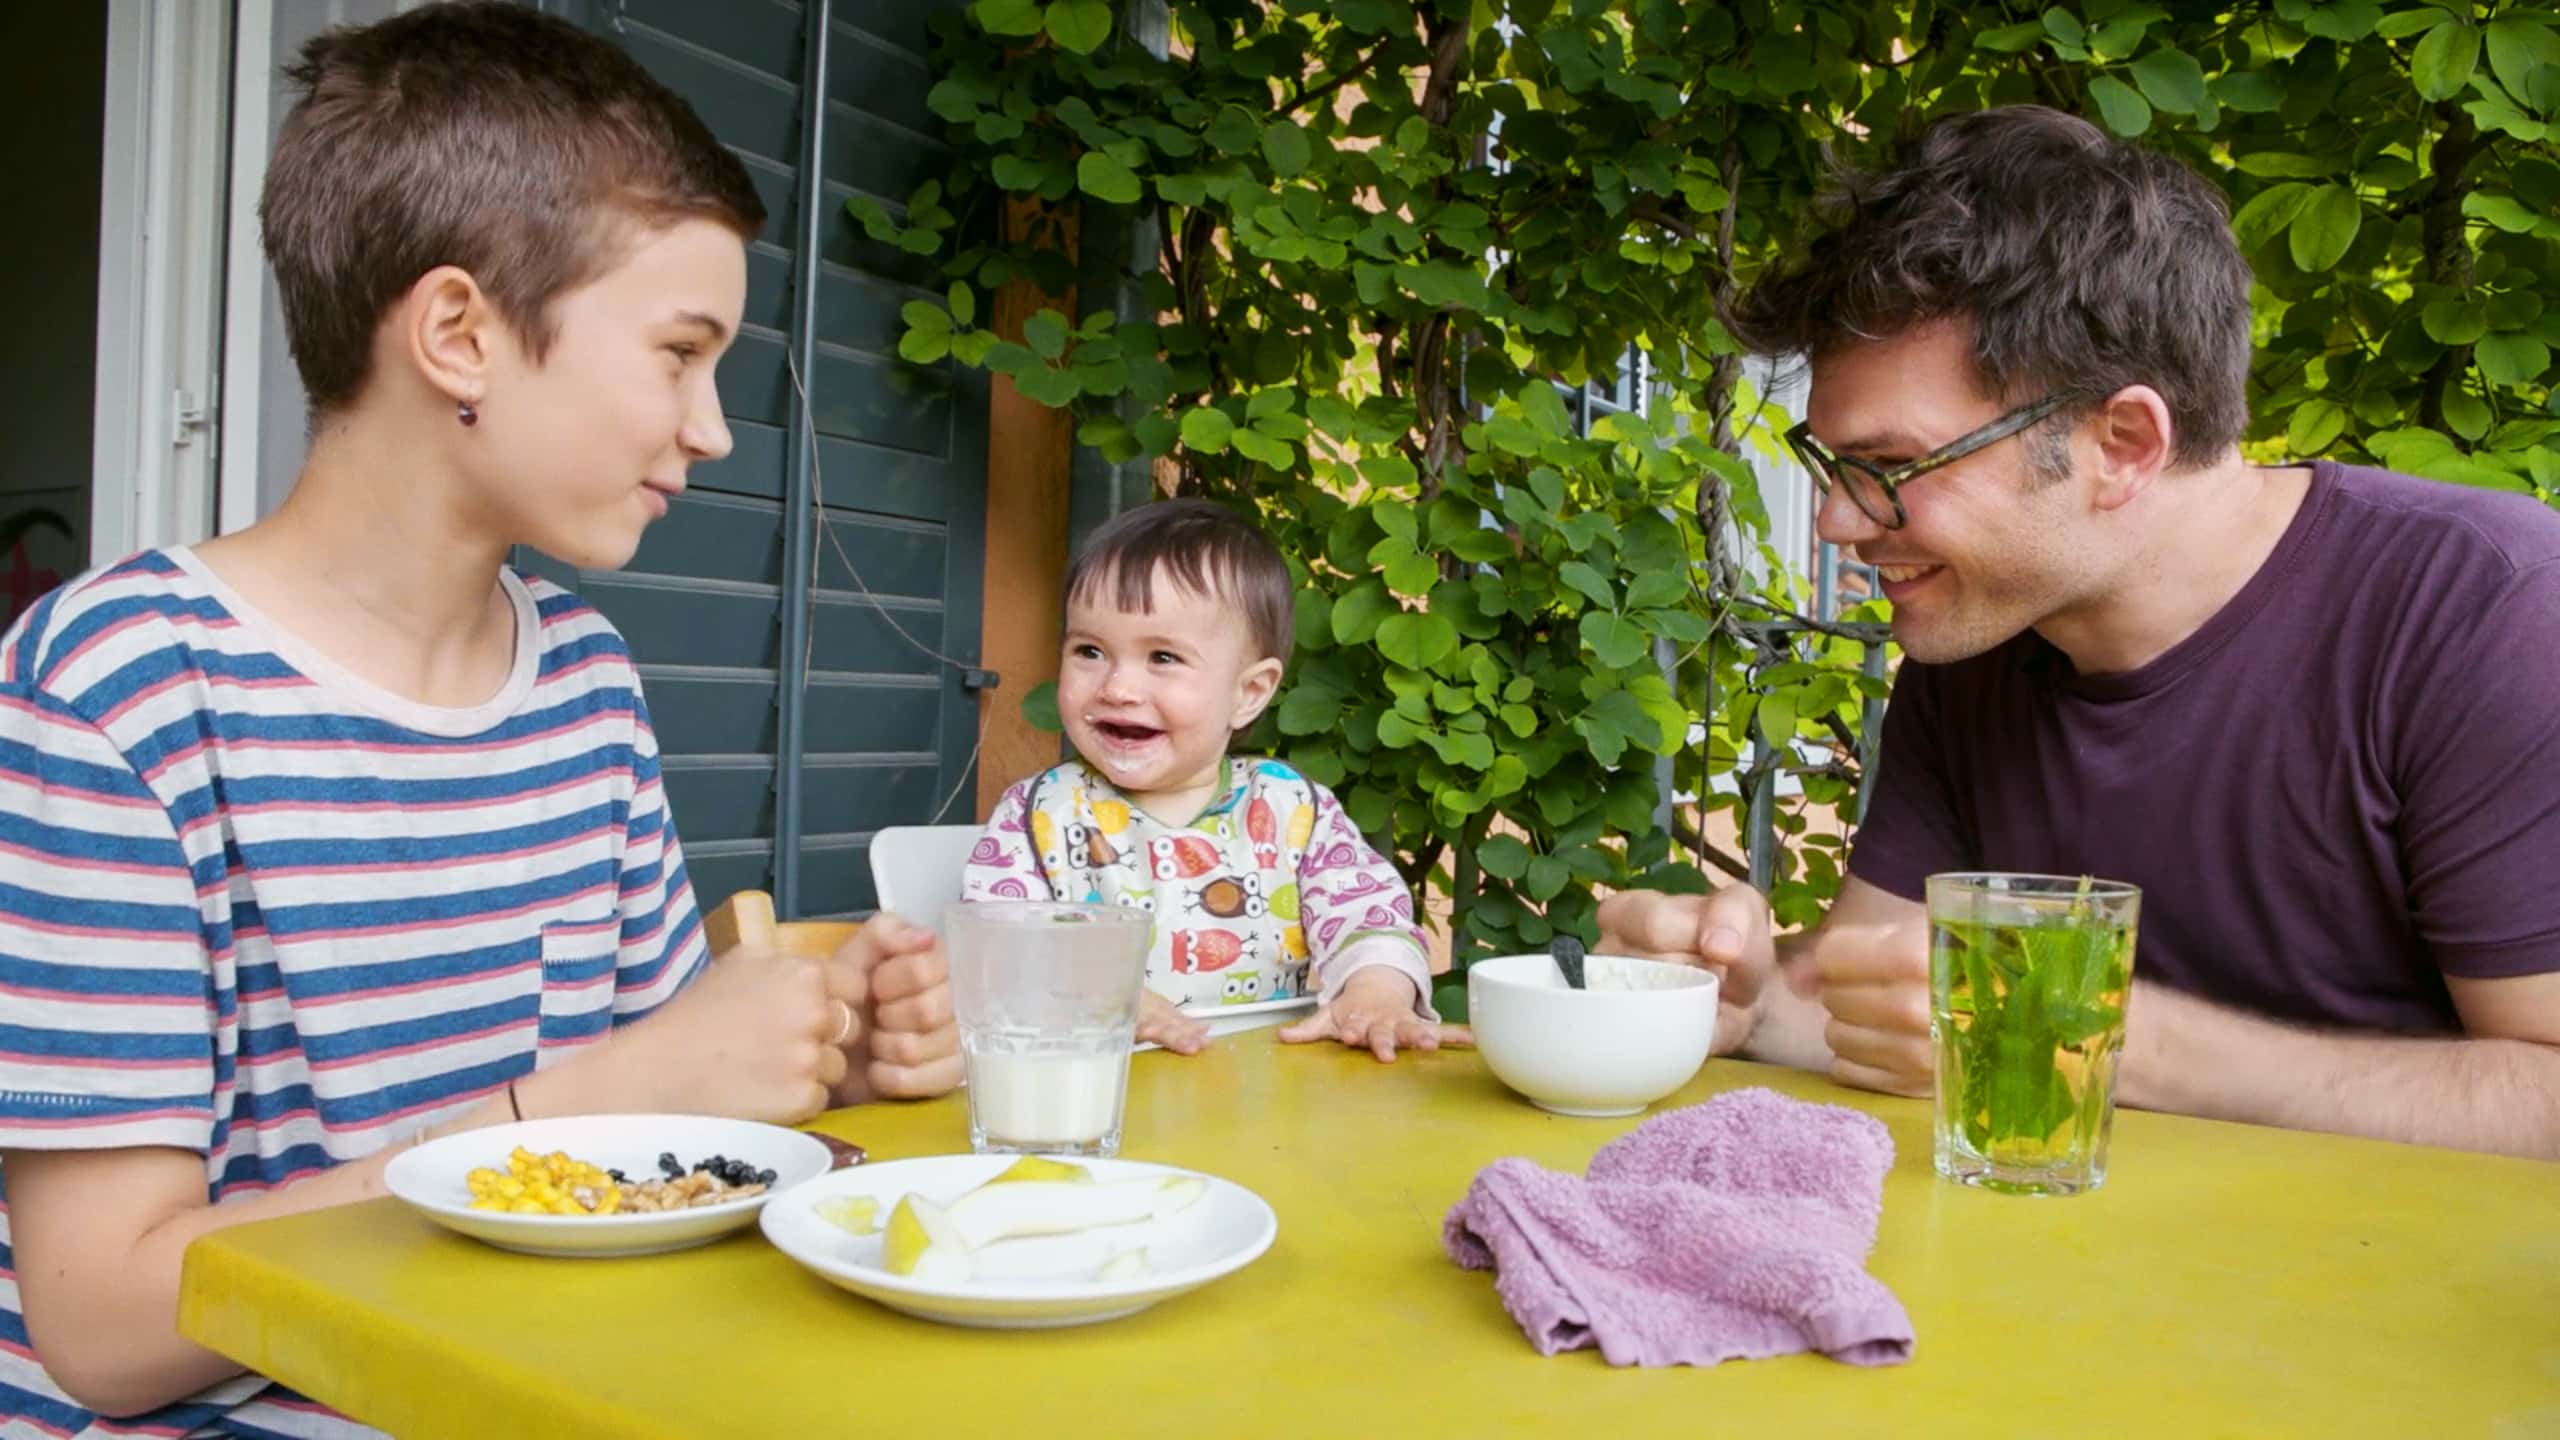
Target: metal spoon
{"x": 1566, "y": 951}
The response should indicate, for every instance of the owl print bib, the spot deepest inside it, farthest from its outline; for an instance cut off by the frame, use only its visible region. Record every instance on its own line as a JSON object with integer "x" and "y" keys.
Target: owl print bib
{"x": 1223, "y": 889}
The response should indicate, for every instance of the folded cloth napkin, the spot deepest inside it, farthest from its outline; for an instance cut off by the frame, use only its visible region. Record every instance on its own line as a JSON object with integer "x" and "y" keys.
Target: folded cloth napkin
{"x": 1736, "y": 1229}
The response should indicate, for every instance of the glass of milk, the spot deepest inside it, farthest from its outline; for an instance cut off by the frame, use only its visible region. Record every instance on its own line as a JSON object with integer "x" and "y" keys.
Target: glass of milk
{"x": 1047, "y": 999}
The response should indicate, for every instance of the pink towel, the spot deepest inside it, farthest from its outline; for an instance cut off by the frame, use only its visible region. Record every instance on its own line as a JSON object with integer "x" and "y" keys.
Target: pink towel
{"x": 1736, "y": 1229}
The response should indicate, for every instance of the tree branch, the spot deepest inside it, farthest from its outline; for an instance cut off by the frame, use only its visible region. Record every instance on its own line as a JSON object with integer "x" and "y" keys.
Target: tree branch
{"x": 1300, "y": 101}
{"x": 1683, "y": 831}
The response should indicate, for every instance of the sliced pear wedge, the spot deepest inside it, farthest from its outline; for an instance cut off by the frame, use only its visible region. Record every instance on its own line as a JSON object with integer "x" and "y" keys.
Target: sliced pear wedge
{"x": 1040, "y": 1167}
{"x": 1056, "y": 1207}
{"x": 924, "y": 1244}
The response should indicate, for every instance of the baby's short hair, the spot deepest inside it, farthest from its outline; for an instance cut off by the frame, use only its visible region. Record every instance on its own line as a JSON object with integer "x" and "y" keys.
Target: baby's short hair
{"x": 1205, "y": 548}
{"x": 487, "y": 136}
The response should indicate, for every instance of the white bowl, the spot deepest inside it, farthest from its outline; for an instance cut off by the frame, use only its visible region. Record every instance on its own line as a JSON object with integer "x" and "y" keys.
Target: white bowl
{"x": 1639, "y": 1032}
{"x": 431, "y": 1179}
{"x": 1024, "y": 1284}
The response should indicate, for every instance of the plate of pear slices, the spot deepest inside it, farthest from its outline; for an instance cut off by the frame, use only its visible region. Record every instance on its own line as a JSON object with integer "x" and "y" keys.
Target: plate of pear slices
{"x": 1020, "y": 1243}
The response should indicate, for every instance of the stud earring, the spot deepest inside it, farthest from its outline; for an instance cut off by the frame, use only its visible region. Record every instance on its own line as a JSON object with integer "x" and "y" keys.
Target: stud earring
{"x": 464, "y": 412}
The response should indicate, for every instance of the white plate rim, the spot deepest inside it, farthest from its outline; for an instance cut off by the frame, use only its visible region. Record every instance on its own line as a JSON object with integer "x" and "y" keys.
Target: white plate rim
{"x": 404, "y": 1167}
{"x": 1153, "y": 1284}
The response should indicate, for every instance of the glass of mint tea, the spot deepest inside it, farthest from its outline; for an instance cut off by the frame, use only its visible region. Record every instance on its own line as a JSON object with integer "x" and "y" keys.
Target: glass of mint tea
{"x": 2027, "y": 982}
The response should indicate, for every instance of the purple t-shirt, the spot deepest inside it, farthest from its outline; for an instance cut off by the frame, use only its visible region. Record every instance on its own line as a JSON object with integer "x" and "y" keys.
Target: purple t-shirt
{"x": 2344, "y": 787}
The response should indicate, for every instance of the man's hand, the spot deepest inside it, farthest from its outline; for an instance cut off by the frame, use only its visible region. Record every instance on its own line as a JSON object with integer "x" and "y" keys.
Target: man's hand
{"x": 1375, "y": 1012}
{"x": 1879, "y": 1030}
{"x": 1727, "y": 932}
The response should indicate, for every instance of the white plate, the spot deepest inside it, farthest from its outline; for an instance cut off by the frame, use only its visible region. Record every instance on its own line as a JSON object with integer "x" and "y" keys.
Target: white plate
{"x": 431, "y": 1179}
{"x": 1025, "y": 1284}
{"x": 1228, "y": 1019}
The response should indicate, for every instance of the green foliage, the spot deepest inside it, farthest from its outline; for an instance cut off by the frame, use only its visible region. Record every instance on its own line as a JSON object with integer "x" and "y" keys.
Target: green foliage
{"x": 1390, "y": 230}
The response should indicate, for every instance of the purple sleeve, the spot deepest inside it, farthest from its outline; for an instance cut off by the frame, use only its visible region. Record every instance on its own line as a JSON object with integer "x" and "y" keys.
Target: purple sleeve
{"x": 2479, "y": 781}
{"x": 1912, "y": 831}
{"x": 1002, "y": 865}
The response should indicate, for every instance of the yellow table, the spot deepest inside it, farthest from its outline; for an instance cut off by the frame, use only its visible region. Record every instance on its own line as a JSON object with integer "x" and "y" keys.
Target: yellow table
{"x": 2227, "y": 1281}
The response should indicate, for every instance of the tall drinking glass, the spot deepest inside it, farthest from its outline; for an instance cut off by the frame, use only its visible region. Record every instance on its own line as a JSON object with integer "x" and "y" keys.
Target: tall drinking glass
{"x": 1047, "y": 1000}
{"x": 2027, "y": 982}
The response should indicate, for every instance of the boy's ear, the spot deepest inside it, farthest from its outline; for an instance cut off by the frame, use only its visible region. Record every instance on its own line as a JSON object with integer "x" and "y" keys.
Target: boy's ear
{"x": 449, "y": 328}
{"x": 1254, "y": 689}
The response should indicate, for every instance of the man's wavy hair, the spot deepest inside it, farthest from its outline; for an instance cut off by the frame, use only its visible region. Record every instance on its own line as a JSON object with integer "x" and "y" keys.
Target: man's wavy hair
{"x": 2082, "y": 265}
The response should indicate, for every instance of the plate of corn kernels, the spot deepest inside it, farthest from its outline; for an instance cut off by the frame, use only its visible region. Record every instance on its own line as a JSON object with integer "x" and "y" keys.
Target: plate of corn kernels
{"x": 601, "y": 1185}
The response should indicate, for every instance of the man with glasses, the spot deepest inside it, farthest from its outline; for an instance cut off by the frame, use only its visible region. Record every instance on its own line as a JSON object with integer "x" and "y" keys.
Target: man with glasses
{"x": 2313, "y": 711}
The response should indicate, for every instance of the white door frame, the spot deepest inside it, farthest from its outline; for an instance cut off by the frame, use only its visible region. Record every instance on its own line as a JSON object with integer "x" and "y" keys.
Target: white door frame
{"x": 161, "y": 228}
{"x": 236, "y": 503}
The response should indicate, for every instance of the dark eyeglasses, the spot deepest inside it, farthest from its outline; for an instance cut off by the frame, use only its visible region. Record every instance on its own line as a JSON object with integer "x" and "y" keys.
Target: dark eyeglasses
{"x": 1877, "y": 491}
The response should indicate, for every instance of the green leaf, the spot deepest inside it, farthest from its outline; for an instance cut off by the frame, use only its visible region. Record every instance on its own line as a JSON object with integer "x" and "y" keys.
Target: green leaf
{"x": 1309, "y": 710}
{"x": 1007, "y": 17}
{"x": 1284, "y": 144}
{"x": 1547, "y": 876}
{"x": 1614, "y": 640}
{"x": 2316, "y": 423}
{"x": 1053, "y": 388}
{"x": 2171, "y": 80}
{"x": 964, "y": 303}
{"x": 924, "y": 347}
{"x": 2251, "y": 92}
{"x": 2467, "y": 413}
{"x": 2325, "y": 228}
{"x": 1046, "y": 334}
{"x": 2455, "y": 322}
{"x": 1778, "y": 716}
{"x": 2513, "y": 359}
{"x": 1040, "y": 708}
{"x": 2273, "y": 164}
{"x": 2125, "y": 112}
{"x": 2342, "y": 20}
{"x": 1589, "y": 582}
{"x": 1358, "y": 611}
{"x": 2065, "y": 27}
{"x": 1080, "y": 25}
{"x": 2400, "y": 25}
{"x": 2445, "y": 59}
{"x": 1415, "y": 640}
{"x": 1545, "y": 409}
{"x": 1235, "y": 131}
{"x": 1106, "y": 179}
{"x": 2516, "y": 47}
{"x": 1504, "y": 857}
{"x": 1408, "y": 574}
{"x": 2010, "y": 39}
{"x": 2269, "y": 212}
{"x": 1207, "y": 429}
{"x": 2503, "y": 211}
{"x": 1256, "y": 446}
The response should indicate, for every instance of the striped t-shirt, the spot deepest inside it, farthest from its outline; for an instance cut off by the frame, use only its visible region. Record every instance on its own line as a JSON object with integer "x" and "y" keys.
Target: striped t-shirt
{"x": 255, "y": 907}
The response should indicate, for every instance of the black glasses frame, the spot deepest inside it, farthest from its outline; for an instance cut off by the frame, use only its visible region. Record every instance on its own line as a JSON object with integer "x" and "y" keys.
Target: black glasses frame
{"x": 1828, "y": 467}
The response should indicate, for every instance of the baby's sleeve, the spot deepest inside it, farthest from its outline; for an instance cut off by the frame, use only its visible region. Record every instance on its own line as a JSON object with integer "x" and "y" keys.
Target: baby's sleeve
{"x": 1003, "y": 865}
{"x": 1356, "y": 910}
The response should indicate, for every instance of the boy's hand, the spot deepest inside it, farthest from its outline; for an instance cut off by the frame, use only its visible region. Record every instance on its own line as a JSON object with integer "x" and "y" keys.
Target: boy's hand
{"x": 1163, "y": 1022}
{"x": 757, "y": 1036}
{"x": 907, "y": 1045}
{"x": 1375, "y": 1010}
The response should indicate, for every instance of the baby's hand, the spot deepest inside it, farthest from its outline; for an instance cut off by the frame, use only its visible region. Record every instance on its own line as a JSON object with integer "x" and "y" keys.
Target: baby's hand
{"x": 1375, "y": 1010}
{"x": 1163, "y": 1022}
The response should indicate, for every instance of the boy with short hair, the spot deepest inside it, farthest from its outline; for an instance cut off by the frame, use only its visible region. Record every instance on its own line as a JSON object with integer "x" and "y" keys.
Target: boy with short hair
{"x": 334, "y": 833}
